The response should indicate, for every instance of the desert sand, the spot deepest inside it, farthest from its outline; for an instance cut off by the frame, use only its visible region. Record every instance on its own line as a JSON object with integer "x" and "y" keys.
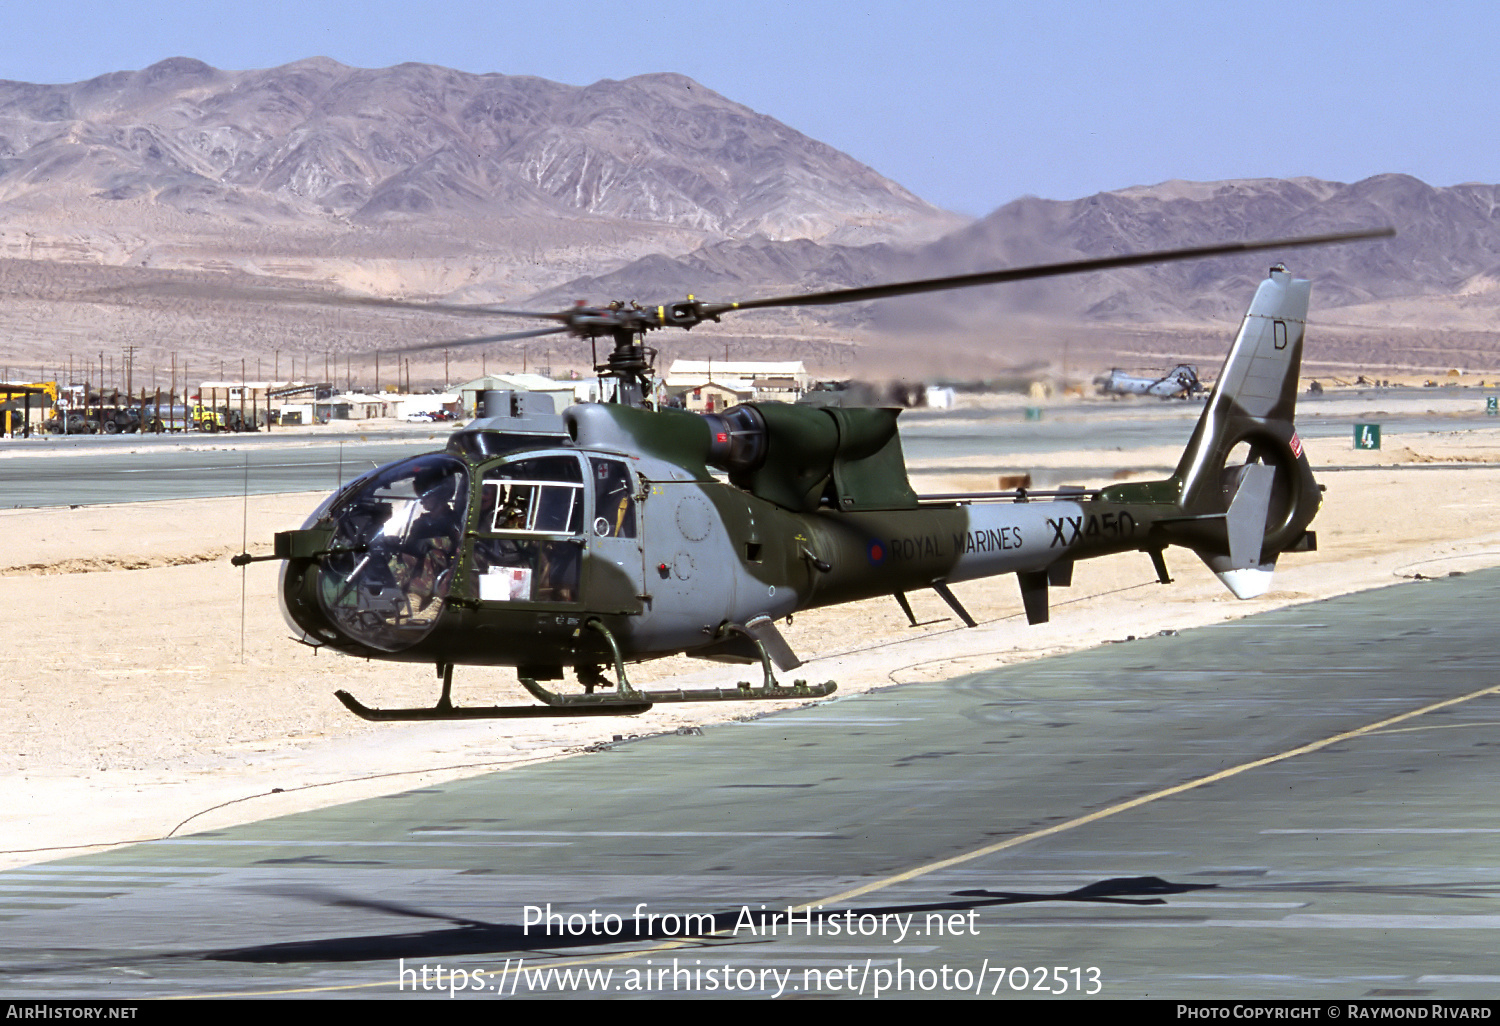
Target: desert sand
{"x": 150, "y": 689}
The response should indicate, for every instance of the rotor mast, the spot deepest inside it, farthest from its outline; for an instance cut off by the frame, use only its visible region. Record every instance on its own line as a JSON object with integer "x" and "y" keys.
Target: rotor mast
{"x": 630, "y": 363}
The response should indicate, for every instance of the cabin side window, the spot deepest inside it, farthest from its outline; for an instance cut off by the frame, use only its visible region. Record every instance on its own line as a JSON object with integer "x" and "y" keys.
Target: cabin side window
{"x": 614, "y": 503}
{"x": 529, "y": 531}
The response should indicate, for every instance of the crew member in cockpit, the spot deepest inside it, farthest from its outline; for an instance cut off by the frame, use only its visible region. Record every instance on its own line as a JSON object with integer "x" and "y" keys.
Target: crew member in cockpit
{"x": 431, "y": 544}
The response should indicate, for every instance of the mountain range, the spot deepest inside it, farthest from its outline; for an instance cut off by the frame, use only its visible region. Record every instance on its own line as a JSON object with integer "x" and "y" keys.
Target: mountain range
{"x": 318, "y": 141}
{"x": 185, "y": 207}
{"x": 1447, "y": 244}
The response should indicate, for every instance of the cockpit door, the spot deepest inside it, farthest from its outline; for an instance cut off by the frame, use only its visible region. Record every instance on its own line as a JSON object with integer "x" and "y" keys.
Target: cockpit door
{"x": 612, "y": 576}
{"x": 529, "y": 532}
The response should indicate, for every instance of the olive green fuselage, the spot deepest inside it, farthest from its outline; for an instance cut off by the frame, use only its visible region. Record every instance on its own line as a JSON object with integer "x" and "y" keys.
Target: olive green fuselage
{"x": 706, "y": 554}
{"x": 681, "y": 533}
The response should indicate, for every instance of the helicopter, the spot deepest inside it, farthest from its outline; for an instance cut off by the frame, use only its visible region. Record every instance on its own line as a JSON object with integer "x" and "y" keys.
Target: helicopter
{"x": 1181, "y": 382}
{"x": 615, "y": 532}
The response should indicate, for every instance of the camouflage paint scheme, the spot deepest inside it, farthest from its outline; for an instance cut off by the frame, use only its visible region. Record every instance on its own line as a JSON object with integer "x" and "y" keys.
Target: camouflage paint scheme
{"x": 818, "y": 513}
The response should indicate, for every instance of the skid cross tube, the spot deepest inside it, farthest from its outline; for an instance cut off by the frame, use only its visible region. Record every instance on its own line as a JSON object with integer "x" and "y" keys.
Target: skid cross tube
{"x": 626, "y": 695}
{"x": 625, "y": 700}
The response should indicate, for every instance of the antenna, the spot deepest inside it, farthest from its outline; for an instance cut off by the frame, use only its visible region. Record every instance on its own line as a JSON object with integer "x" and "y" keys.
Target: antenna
{"x": 244, "y": 547}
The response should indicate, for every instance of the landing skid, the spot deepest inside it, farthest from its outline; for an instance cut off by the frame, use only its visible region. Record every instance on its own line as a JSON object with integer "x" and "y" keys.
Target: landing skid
{"x": 483, "y": 712}
{"x": 624, "y": 700}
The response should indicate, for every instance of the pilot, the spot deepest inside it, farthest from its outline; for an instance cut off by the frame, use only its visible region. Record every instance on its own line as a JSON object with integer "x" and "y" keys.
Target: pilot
{"x": 431, "y": 545}
{"x": 512, "y": 516}
{"x": 438, "y": 520}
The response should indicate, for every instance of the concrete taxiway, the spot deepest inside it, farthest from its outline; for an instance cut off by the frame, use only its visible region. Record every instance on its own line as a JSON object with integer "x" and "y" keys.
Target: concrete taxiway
{"x": 86, "y": 470}
{"x": 1298, "y": 805}
{"x": 103, "y": 474}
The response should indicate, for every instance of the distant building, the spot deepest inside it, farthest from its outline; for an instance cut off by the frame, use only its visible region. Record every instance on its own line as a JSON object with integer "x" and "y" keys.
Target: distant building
{"x": 258, "y": 394}
{"x": 358, "y": 406}
{"x": 564, "y": 393}
{"x": 355, "y": 406}
{"x": 25, "y": 406}
{"x": 939, "y": 397}
{"x": 709, "y": 396}
{"x": 707, "y": 385}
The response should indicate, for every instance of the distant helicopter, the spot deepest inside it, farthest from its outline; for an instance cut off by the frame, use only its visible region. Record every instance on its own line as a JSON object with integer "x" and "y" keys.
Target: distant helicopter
{"x": 612, "y": 533}
{"x": 1181, "y": 382}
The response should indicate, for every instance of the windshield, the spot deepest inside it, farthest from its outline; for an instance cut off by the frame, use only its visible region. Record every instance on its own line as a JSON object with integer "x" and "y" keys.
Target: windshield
{"x": 395, "y": 548}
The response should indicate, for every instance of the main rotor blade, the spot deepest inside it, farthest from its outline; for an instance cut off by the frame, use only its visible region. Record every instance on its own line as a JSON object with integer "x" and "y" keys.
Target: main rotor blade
{"x": 463, "y": 343}
{"x": 289, "y": 294}
{"x": 964, "y": 281}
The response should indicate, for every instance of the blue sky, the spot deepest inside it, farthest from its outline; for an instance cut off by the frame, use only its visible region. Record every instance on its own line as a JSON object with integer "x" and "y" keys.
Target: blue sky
{"x": 967, "y": 104}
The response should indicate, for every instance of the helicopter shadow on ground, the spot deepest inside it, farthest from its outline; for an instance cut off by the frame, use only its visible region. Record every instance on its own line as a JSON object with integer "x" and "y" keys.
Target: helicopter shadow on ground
{"x": 475, "y": 937}
{"x": 472, "y": 937}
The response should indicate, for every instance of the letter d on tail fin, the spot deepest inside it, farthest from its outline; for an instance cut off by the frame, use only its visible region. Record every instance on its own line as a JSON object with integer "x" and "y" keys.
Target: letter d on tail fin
{"x": 1246, "y": 488}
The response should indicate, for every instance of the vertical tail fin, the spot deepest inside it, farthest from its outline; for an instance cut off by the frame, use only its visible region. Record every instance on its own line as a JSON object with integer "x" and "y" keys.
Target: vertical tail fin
{"x": 1244, "y": 484}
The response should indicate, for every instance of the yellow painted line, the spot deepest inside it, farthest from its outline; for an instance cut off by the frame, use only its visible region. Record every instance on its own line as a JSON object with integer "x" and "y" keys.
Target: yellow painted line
{"x": 932, "y": 867}
{"x": 492, "y": 974}
{"x": 1443, "y": 726}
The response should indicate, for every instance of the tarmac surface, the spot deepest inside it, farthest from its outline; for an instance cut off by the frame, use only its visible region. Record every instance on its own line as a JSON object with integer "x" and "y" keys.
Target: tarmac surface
{"x": 185, "y": 470}
{"x": 1297, "y": 805}
{"x": 127, "y": 468}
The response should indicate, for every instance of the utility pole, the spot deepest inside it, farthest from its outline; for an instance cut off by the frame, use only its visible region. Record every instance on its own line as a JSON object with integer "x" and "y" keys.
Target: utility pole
{"x": 129, "y": 366}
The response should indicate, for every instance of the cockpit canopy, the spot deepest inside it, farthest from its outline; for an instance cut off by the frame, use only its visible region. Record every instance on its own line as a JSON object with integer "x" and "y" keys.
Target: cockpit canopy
{"x": 383, "y": 558}
{"x": 396, "y": 545}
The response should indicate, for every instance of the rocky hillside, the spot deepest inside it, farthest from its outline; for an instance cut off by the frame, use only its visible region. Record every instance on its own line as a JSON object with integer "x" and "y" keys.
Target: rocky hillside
{"x": 317, "y": 142}
{"x": 1448, "y": 245}
{"x": 187, "y": 210}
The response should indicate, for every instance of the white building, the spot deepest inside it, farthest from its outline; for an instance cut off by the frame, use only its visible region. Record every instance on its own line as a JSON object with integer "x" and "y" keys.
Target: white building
{"x": 563, "y": 393}
{"x": 701, "y": 382}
